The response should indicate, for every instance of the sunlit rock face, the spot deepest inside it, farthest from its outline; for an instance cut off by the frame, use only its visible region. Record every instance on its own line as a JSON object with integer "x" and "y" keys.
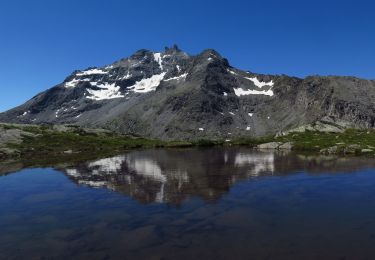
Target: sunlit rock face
{"x": 172, "y": 95}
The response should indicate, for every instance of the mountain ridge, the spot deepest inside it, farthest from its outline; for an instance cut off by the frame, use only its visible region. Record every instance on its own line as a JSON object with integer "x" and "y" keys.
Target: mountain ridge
{"x": 173, "y": 95}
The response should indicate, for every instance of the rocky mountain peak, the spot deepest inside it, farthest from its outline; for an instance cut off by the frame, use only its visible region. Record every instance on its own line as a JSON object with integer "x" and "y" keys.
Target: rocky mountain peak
{"x": 210, "y": 53}
{"x": 212, "y": 57}
{"x": 172, "y": 50}
{"x": 172, "y": 95}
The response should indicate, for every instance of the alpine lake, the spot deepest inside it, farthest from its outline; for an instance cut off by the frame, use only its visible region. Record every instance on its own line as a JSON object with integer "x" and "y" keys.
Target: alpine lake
{"x": 190, "y": 203}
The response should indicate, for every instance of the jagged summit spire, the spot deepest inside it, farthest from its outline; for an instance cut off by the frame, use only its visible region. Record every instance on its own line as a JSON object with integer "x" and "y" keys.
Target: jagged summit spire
{"x": 174, "y": 48}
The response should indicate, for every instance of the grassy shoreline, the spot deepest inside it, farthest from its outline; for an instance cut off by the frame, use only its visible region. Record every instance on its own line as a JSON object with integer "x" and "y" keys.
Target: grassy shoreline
{"x": 58, "y": 143}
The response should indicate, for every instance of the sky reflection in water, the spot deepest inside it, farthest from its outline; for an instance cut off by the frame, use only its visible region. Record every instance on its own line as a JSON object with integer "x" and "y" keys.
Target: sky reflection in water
{"x": 221, "y": 203}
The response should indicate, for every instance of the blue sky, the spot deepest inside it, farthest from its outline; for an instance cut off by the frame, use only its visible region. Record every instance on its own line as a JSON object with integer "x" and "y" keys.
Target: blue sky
{"x": 42, "y": 42}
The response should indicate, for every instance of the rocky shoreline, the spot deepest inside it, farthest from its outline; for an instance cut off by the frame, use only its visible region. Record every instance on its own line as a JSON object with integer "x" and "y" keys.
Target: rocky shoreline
{"x": 30, "y": 141}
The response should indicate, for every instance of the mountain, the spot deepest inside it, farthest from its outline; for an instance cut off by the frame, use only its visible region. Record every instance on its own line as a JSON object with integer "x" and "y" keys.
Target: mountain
{"x": 174, "y": 95}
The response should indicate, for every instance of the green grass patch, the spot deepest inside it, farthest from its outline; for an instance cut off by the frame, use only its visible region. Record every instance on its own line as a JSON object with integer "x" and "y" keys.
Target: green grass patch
{"x": 56, "y": 143}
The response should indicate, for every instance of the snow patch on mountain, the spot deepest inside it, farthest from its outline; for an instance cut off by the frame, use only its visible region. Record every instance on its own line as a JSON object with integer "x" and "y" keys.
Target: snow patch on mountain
{"x": 241, "y": 92}
{"x": 57, "y": 113}
{"x": 127, "y": 76}
{"x": 232, "y": 72}
{"x": 158, "y": 59}
{"x": 149, "y": 84}
{"x": 183, "y": 76}
{"x": 74, "y": 82}
{"x": 92, "y": 72}
{"x": 106, "y": 91}
{"x": 260, "y": 84}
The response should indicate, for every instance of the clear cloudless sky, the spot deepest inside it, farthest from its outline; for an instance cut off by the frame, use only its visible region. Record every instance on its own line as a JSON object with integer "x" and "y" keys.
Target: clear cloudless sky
{"x": 42, "y": 42}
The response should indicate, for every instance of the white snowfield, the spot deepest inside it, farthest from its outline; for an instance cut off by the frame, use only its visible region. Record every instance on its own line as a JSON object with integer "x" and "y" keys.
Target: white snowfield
{"x": 158, "y": 59}
{"x": 149, "y": 84}
{"x": 183, "y": 76}
{"x": 111, "y": 91}
{"x": 127, "y": 76}
{"x": 92, "y": 72}
{"x": 106, "y": 91}
{"x": 241, "y": 92}
{"x": 260, "y": 84}
{"x": 73, "y": 83}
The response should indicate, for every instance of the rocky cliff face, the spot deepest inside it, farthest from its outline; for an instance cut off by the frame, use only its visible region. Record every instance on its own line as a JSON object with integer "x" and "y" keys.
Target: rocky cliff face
{"x": 173, "y": 95}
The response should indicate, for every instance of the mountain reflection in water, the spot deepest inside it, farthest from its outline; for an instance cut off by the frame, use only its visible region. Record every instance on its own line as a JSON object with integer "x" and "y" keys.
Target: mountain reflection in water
{"x": 171, "y": 176}
{"x": 212, "y": 203}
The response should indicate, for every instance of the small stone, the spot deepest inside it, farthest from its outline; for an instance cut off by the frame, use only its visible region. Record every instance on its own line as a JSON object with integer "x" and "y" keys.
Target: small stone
{"x": 353, "y": 148}
{"x": 329, "y": 150}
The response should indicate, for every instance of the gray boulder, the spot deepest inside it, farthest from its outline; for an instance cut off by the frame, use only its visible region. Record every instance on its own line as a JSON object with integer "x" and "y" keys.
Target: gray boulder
{"x": 271, "y": 145}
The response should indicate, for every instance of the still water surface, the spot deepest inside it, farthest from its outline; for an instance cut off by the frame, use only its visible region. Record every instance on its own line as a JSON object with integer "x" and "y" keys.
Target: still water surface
{"x": 217, "y": 203}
